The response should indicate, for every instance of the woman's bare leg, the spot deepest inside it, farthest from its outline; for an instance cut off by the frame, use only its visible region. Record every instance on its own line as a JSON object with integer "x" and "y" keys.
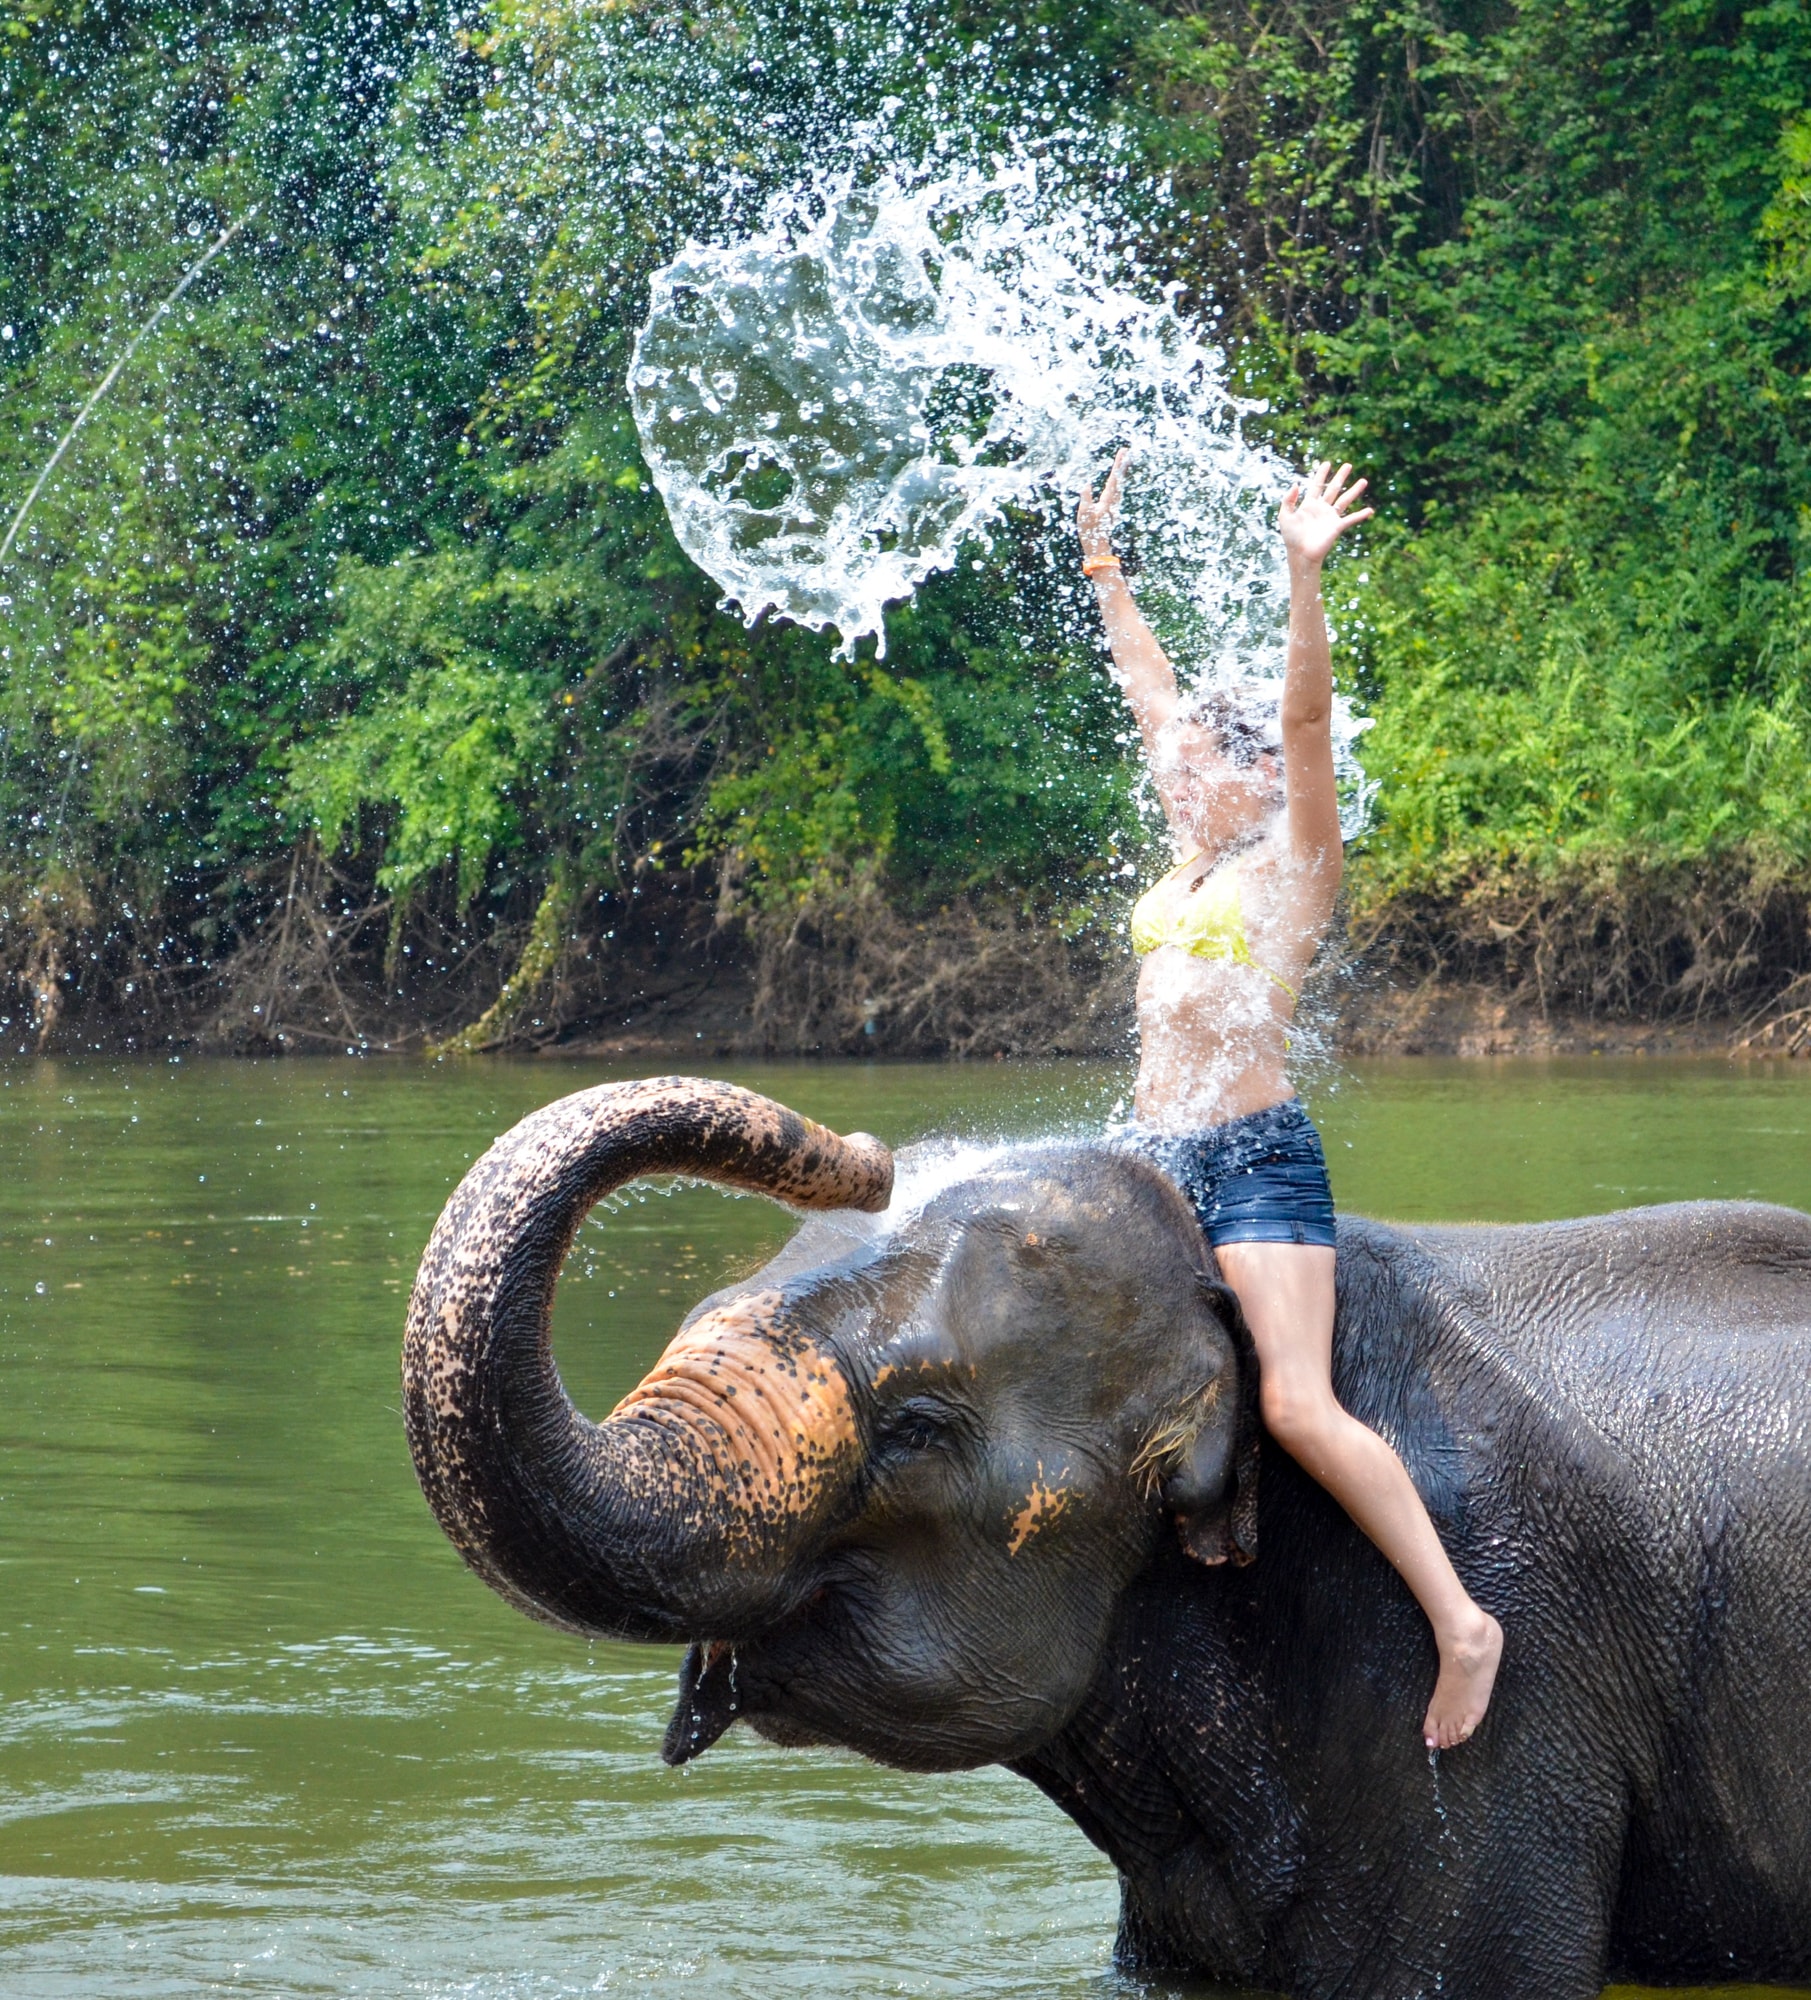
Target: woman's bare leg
{"x": 1286, "y": 1293}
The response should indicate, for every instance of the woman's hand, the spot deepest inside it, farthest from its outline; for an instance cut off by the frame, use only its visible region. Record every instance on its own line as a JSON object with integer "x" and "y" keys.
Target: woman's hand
{"x": 1314, "y": 515}
{"x": 1094, "y": 518}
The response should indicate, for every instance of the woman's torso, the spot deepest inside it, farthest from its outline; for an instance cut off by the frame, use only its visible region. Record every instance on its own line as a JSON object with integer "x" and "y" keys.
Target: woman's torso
{"x": 1214, "y": 1008}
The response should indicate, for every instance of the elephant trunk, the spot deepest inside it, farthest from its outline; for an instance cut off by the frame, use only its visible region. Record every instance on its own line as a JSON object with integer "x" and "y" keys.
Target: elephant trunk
{"x": 675, "y": 1517}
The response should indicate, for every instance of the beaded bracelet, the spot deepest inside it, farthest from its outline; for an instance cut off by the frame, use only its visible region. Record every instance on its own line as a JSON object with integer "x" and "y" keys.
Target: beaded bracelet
{"x": 1099, "y": 563}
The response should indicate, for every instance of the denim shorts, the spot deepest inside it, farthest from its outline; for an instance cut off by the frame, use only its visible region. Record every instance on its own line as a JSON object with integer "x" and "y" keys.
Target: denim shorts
{"x": 1258, "y": 1179}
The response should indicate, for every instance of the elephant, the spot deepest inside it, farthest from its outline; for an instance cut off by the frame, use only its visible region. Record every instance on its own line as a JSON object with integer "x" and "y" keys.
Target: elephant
{"x": 981, "y": 1479}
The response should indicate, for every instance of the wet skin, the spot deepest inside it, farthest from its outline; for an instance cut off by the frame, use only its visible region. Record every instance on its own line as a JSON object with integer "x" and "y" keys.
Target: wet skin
{"x": 1036, "y": 1444}
{"x": 1213, "y": 1026}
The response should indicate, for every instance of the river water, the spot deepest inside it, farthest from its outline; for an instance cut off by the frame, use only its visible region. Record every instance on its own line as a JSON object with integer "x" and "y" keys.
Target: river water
{"x": 264, "y": 1735}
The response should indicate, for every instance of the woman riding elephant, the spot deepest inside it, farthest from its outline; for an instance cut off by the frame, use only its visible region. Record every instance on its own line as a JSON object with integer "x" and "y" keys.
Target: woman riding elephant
{"x": 1226, "y": 937}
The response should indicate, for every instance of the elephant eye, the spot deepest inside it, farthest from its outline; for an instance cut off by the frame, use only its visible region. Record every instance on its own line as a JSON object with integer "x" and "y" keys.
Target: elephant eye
{"x": 917, "y": 1427}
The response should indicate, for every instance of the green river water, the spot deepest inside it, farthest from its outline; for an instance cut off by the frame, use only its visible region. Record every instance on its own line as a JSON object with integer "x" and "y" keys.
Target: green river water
{"x": 264, "y": 1735}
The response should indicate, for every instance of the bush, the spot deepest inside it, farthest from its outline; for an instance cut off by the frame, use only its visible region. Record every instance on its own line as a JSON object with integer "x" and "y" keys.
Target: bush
{"x": 356, "y": 580}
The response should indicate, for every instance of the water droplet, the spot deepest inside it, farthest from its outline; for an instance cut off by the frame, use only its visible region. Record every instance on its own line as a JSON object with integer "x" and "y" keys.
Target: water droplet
{"x": 843, "y": 402}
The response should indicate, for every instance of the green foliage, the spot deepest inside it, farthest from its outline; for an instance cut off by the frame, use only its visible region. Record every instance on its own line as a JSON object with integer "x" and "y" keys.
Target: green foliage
{"x": 1536, "y": 717}
{"x": 1786, "y": 223}
{"x": 448, "y": 747}
{"x": 1542, "y": 271}
{"x": 361, "y": 549}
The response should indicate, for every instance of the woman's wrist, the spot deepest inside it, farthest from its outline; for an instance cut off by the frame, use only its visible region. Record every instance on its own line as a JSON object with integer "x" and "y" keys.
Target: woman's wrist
{"x": 1103, "y": 563}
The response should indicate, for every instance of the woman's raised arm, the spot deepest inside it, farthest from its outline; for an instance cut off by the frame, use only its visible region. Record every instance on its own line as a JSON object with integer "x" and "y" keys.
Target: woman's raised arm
{"x": 1140, "y": 665}
{"x": 1314, "y": 515}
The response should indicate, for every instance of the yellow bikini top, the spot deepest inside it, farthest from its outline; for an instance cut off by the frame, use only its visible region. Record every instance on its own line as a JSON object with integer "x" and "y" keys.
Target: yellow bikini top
{"x": 1206, "y": 922}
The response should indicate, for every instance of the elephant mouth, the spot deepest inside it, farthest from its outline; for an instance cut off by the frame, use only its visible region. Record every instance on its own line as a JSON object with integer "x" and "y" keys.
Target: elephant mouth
{"x": 710, "y": 1699}
{"x": 762, "y": 1680}
{"x": 811, "y": 1680}
{"x": 722, "y": 1683}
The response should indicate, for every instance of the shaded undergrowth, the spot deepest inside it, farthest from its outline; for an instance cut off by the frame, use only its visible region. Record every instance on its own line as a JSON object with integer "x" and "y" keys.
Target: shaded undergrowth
{"x": 1608, "y": 939}
{"x": 315, "y": 957}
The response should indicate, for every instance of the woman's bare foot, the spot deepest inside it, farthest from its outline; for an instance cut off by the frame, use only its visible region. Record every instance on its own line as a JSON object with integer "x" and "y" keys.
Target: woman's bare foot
{"x": 1468, "y": 1672}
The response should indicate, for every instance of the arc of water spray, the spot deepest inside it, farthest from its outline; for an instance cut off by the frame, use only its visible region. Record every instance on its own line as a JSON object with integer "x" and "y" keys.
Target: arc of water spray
{"x": 113, "y": 374}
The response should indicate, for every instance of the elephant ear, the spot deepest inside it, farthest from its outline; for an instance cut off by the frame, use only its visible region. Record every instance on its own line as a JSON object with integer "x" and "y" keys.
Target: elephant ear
{"x": 1213, "y": 1490}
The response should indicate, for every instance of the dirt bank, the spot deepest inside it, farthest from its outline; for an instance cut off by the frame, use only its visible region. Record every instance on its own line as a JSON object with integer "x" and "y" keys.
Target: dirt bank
{"x": 659, "y": 978}
{"x": 1444, "y": 1019}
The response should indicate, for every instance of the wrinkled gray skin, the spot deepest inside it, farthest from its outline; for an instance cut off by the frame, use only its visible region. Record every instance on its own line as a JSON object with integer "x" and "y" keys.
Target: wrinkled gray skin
{"x": 1609, "y": 1421}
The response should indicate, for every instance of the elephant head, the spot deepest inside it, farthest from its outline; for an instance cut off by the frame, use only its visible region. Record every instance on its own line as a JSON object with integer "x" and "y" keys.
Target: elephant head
{"x": 891, "y": 1487}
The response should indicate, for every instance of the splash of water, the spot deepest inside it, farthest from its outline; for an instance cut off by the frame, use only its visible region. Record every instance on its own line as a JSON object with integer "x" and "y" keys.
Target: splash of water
{"x": 840, "y": 403}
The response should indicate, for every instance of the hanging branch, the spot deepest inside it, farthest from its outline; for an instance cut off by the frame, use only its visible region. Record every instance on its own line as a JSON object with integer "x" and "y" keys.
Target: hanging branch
{"x": 112, "y": 375}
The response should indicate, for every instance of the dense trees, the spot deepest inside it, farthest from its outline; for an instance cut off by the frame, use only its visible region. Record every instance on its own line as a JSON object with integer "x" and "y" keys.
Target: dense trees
{"x": 352, "y": 592}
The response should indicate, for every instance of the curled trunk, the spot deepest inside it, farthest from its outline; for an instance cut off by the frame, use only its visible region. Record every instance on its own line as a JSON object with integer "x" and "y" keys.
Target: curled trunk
{"x": 674, "y": 1517}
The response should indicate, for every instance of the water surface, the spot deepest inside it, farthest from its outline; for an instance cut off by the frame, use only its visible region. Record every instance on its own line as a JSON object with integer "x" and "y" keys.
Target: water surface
{"x": 264, "y": 1735}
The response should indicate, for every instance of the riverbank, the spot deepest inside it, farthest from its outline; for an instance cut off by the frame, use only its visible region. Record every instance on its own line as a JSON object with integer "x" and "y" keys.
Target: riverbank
{"x": 711, "y": 1004}
{"x": 662, "y": 977}
{"x": 1438, "y": 1018}
{"x": 1433, "y": 1018}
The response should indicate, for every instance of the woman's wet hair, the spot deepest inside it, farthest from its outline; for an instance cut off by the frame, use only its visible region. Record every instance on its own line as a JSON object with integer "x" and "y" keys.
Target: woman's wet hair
{"x": 1245, "y": 719}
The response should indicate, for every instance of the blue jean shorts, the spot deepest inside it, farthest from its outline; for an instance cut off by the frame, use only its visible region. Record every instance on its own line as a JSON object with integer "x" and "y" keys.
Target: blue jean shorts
{"x": 1258, "y": 1179}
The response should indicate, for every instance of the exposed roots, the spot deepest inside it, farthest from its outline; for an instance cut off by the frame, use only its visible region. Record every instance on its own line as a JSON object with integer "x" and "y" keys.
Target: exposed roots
{"x": 295, "y": 980}
{"x": 309, "y": 954}
{"x": 847, "y": 973}
{"x": 1782, "y": 1027}
{"x": 1608, "y": 941}
{"x": 54, "y": 917}
{"x": 537, "y": 970}
{"x": 57, "y": 950}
